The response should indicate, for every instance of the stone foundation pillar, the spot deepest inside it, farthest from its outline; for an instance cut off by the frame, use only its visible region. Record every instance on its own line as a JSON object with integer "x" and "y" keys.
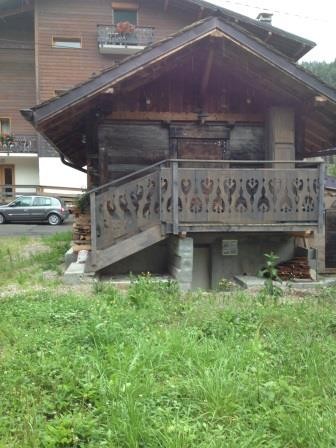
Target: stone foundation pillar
{"x": 181, "y": 254}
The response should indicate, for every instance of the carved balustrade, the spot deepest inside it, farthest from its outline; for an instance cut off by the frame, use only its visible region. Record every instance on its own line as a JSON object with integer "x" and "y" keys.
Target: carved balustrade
{"x": 207, "y": 193}
{"x": 242, "y": 196}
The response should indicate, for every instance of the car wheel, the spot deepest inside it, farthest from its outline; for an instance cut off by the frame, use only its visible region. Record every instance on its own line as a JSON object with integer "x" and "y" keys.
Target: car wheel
{"x": 54, "y": 220}
{"x": 2, "y": 219}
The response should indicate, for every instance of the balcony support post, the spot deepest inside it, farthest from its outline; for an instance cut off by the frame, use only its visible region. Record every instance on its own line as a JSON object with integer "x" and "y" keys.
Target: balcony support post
{"x": 175, "y": 197}
{"x": 321, "y": 197}
{"x": 93, "y": 228}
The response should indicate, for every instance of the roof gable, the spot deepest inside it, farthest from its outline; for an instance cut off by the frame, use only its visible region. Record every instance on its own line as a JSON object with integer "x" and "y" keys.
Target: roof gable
{"x": 163, "y": 49}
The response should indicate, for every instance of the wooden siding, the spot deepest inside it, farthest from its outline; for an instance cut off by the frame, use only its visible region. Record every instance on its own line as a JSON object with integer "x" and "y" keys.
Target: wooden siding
{"x": 17, "y": 73}
{"x": 124, "y": 148}
{"x": 61, "y": 69}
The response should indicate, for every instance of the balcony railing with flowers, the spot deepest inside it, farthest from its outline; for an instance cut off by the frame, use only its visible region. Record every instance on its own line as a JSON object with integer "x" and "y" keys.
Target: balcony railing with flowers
{"x": 123, "y": 38}
{"x": 18, "y": 143}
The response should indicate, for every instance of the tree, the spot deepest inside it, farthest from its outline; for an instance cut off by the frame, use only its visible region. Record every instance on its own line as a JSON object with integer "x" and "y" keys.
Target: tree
{"x": 324, "y": 70}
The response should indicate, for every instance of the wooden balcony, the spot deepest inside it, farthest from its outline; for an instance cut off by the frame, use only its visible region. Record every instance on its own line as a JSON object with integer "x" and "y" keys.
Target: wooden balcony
{"x": 24, "y": 144}
{"x": 206, "y": 196}
{"x": 112, "y": 42}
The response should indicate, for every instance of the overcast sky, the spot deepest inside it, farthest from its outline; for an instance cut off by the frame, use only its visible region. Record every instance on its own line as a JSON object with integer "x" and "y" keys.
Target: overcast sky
{"x": 314, "y": 20}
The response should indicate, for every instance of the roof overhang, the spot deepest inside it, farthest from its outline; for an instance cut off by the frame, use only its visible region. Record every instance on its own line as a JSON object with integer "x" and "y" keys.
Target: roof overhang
{"x": 77, "y": 99}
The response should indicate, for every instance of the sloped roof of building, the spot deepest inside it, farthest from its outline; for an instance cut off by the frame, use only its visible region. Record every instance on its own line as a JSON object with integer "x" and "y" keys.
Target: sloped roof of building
{"x": 77, "y": 99}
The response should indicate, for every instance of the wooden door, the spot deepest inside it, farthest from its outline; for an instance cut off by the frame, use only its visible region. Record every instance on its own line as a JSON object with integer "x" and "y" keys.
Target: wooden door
{"x": 201, "y": 149}
{"x": 201, "y": 268}
{"x": 200, "y": 142}
{"x": 6, "y": 182}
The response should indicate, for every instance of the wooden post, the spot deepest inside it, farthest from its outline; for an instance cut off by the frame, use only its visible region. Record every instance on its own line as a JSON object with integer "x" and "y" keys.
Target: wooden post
{"x": 175, "y": 209}
{"x": 321, "y": 197}
{"x": 93, "y": 228}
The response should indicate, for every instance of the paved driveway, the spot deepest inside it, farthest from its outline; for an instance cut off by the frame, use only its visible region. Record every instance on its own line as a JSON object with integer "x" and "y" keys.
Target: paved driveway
{"x": 34, "y": 229}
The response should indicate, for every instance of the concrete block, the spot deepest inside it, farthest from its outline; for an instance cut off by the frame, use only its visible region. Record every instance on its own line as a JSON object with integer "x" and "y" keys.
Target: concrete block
{"x": 76, "y": 274}
{"x": 70, "y": 257}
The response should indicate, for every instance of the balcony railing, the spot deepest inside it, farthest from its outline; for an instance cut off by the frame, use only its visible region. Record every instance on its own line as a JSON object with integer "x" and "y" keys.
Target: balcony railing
{"x": 113, "y": 42}
{"x": 21, "y": 144}
{"x": 198, "y": 196}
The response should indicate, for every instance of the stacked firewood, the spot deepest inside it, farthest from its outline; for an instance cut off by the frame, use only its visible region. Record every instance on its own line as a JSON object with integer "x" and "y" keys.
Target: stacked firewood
{"x": 81, "y": 232}
{"x": 297, "y": 268}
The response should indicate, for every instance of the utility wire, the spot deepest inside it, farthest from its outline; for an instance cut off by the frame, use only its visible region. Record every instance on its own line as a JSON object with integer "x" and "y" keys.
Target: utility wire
{"x": 261, "y": 8}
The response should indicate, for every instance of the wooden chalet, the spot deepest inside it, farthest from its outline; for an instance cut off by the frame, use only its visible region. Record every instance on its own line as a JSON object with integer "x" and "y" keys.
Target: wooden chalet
{"x": 200, "y": 153}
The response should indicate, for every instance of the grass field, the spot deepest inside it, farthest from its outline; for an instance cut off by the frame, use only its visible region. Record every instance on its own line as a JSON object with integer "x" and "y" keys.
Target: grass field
{"x": 148, "y": 369}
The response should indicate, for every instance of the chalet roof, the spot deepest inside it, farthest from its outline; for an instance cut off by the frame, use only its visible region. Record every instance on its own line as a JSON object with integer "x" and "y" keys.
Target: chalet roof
{"x": 287, "y": 43}
{"x": 76, "y": 100}
{"x": 293, "y": 45}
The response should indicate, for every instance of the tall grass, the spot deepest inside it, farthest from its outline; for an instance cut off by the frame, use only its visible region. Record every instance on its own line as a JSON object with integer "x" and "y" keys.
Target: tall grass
{"x": 148, "y": 369}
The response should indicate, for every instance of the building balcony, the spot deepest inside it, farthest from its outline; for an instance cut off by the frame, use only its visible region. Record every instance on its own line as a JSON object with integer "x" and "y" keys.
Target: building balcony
{"x": 20, "y": 144}
{"x": 110, "y": 41}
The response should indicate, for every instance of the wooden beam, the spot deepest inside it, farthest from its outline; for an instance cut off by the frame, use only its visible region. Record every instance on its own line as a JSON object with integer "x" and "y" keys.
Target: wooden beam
{"x": 207, "y": 71}
{"x": 185, "y": 116}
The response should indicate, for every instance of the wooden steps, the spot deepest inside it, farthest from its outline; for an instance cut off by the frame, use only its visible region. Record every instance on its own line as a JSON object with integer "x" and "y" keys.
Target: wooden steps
{"x": 127, "y": 247}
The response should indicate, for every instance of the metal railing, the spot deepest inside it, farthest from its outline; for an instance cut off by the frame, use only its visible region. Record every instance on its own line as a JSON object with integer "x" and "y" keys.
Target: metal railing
{"x": 107, "y": 35}
{"x": 22, "y": 143}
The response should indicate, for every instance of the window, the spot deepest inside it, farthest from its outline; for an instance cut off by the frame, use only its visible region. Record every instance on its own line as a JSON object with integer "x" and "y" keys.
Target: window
{"x": 4, "y": 126}
{"x": 123, "y": 15}
{"x": 42, "y": 202}
{"x": 23, "y": 202}
{"x": 67, "y": 42}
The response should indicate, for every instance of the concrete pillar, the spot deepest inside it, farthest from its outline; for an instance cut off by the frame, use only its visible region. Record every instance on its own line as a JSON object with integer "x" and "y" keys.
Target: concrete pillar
{"x": 181, "y": 254}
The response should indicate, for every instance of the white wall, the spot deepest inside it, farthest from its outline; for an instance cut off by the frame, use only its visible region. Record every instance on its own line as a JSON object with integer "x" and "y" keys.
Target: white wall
{"x": 26, "y": 171}
{"x": 54, "y": 173}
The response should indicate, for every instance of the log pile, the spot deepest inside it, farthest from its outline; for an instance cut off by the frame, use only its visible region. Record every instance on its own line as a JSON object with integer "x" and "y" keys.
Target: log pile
{"x": 297, "y": 268}
{"x": 81, "y": 232}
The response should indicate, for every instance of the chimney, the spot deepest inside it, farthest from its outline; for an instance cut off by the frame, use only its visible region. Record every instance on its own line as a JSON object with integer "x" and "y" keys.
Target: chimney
{"x": 265, "y": 17}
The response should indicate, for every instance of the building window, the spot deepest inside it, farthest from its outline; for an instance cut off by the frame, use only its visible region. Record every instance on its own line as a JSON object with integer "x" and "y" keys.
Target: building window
{"x": 4, "y": 126}
{"x": 123, "y": 15}
{"x": 67, "y": 42}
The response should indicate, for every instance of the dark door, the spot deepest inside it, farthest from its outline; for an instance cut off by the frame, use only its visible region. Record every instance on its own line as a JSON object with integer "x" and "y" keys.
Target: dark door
{"x": 20, "y": 210}
{"x": 200, "y": 142}
{"x": 40, "y": 208}
{"x": 6, "y": 182}
{"x": 201, "y": 149}
{"x": 330, "y": 248}
{"x": 201, "y": 268}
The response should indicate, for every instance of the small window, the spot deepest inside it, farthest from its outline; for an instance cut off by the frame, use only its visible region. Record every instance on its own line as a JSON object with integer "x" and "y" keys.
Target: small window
{"x": 123, "y": 15}
{"x": 67, "y": 42}
{"x": 42, "y": 202}
{"x": 4, "y": 126}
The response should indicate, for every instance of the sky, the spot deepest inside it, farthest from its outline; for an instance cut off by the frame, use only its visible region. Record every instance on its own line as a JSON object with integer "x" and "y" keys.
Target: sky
{"x": 314, "y": 20}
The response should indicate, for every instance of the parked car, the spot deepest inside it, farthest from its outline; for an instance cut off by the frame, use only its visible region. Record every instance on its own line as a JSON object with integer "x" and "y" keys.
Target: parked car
{"x": 34, "y": 208}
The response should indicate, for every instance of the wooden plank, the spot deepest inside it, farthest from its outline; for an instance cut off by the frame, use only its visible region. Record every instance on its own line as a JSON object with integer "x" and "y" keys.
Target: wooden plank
{"x": 175, "y": 197}
{"x": 128, "y": 247}
{"x": 186, "y": 116}
{"x": 93, "y": 212}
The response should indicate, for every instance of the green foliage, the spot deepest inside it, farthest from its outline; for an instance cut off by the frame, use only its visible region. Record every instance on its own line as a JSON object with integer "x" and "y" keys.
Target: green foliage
{"x": 324, "y": 70}
{"x": 83, "y": 202}
{"x": 147, "y": 369}
{"x": 23, "y": 259}
{"x": 270, "y": 273}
